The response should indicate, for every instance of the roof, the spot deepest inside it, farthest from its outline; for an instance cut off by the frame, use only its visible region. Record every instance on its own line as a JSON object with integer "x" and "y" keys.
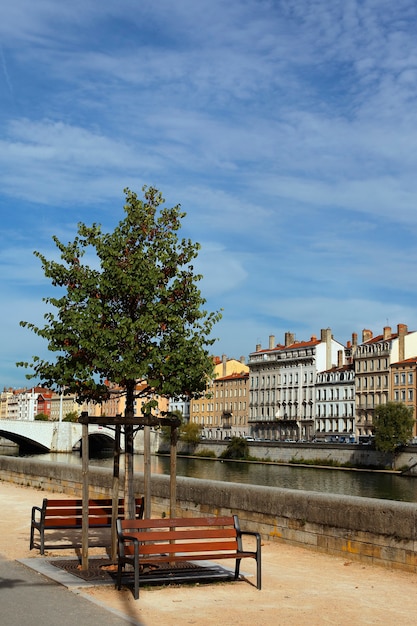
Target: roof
{"x": 343, "y": 368}
{"x": 234, "y": 376}
{"x": 293, "y": 346}
{"x": 409, "y": 361}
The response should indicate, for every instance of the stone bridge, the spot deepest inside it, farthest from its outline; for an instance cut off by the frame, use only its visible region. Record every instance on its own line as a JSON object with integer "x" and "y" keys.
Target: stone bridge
{"x": 37, "y": 436}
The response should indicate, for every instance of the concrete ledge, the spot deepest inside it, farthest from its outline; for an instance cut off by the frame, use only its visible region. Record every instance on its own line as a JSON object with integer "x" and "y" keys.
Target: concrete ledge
{"x": 380, "y": 531}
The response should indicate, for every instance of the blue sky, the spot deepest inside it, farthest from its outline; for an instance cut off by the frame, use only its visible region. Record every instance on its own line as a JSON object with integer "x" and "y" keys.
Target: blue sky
{"x": 286, "y": 129}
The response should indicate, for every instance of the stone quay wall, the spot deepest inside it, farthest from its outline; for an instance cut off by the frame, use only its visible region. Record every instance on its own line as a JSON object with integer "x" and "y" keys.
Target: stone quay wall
{"x": 382, "y": 532}
{"x": 354, "y": 455}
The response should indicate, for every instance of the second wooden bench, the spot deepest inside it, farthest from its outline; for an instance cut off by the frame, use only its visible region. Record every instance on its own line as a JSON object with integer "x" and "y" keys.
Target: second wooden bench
{"x": 68, "y": 514}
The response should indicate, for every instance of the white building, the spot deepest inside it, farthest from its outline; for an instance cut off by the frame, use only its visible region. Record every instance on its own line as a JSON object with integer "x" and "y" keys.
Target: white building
{"x": 282, "y": 385}
{"x": 335, "y": 405}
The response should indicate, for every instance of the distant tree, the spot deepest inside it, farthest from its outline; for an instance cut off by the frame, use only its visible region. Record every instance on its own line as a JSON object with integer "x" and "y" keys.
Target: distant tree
{"x": 132, "y": 314}
{"x": 41, "y": 417}
{"x": 238, "y": 448}
{"x": 393, "y": 426}
{"x": 190, "y": 433}
{"x": 72, "y": 416}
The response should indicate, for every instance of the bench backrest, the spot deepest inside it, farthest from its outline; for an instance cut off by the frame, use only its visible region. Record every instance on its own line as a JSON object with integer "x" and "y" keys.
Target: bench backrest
{"x": 178, "y": 535}
{"x": 69, "y": 512}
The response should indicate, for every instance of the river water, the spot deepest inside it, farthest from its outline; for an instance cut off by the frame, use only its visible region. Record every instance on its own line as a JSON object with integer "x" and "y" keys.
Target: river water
{"x": 338, "y": 481}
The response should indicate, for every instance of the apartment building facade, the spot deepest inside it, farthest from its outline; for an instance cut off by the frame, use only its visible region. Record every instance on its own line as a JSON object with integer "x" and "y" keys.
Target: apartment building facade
{"x": 374, "y": 372}
{"x": 25, "y": 404}
{"x": 335, "y": 405}
{"x": 282, "y": 385}
{"x": 223, "y": 410}
{"x": 403, "y": 384}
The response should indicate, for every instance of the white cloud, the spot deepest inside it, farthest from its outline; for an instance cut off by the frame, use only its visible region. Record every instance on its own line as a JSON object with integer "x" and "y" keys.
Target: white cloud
{"x": 286, "y": 130}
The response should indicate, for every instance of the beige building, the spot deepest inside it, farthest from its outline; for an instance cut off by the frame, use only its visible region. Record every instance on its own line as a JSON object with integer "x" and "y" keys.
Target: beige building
{"x": 403, "y": 385}
{"x": 7, "y": 402}
{"x": 372, "y": 362}
{"x": 223, "y": 410}
{"x": 116, "y": 405}
{"x": 62, "y": 405}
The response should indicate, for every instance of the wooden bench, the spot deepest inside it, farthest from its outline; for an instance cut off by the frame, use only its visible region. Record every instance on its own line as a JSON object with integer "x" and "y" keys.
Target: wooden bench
{"x": 60, "y": 515}
{"x": 172, "y": 540}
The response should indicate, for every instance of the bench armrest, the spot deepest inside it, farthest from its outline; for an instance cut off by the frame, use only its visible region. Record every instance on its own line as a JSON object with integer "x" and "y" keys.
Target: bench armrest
{"x": 36, "y": 510}
{"x": 128, "y": 539}
{"x": 249, "y": 533}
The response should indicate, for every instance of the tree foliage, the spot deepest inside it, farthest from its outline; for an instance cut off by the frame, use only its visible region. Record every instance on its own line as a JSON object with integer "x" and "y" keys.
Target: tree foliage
{"x": 190, "y": 433}
{"x": 41, "y": 417}
{"x": 393, "y": 426}
{"x": 238, "y": 448}
{"x": 132, "y": 313}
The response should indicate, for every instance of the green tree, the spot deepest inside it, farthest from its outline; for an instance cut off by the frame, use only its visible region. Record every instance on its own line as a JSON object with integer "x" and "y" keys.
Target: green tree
{"x": 72, "y": 416}
{"x": 393, "y": 426}
{"x": 238, "y": 448}
{"x": 42, "y": 417}
{"x": 190, "y": 433}
{"x": 133, "y": 313}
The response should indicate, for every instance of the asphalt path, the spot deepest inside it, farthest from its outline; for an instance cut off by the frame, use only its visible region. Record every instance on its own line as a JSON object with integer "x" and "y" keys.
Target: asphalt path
{"x": 28, "y": 598}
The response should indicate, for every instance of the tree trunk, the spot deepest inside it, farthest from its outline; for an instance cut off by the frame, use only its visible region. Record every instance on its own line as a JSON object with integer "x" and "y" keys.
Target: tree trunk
{"x": 129, "y": 494}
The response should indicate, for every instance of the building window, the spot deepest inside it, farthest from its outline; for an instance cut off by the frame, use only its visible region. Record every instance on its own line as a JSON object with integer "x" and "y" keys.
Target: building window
{"x": 410, "y": 395}
{"x": 410, "y": 378}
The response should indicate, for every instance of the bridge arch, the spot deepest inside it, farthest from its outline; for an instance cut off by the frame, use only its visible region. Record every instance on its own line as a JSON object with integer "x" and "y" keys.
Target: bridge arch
{"x": 37, "y": 437}
{"x": 26, "y": 445}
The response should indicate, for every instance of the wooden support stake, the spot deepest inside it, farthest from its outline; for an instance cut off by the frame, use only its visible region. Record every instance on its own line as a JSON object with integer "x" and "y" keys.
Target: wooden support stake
{"x": 84, "y": 540}
{"x": 147, "y": 471}
{"x": 173, "y": 472}
{"x": 115, "y": 491}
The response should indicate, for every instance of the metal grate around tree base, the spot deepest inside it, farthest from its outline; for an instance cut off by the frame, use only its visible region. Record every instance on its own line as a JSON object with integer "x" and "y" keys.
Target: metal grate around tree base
{"x": 105, "y": 570}
{"x": 98, "y": 569}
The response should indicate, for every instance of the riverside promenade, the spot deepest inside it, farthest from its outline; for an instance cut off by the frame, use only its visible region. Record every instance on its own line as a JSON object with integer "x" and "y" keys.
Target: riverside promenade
{"x": 300, "y": 587}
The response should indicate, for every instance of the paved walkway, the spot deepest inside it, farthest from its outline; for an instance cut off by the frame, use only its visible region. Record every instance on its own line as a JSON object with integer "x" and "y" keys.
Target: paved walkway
{"x": 300, "y": 588}
{"x": 28, "y": 598}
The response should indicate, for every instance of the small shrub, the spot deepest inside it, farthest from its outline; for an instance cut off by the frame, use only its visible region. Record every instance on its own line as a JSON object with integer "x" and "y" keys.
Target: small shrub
{"x": 206, "y": 453}
{"x": 41, "y": 417}
{"x": 237, "y": 449}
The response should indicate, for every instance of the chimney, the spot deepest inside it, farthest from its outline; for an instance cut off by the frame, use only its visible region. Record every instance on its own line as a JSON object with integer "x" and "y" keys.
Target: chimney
{"x": 224, "y": 362}
{"x": 258, "y": 347}
{"x": 366, "y": 335}
{"x": 242, "y": 360}
{"x": 271, "y": 342}
{"x": 326, "y": 337}
{"x": 289, "y": 339}
{"x": 402, "y": 330}
{"x": 340, "y": 358}
{"x": 354, "y": 339}
{"x": 387, "y": 332}
{"x": 324, "y": 334}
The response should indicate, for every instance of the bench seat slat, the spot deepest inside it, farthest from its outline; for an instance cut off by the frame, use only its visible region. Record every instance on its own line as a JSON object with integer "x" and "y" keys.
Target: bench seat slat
{"x": 77, "y": 512}
{"x": 172, "y": 548}
{"x": 207, "y": 556}
{"x": 180, "y": 535}
{"x": 178, "y": 522}
{"x": 69, "y": 522}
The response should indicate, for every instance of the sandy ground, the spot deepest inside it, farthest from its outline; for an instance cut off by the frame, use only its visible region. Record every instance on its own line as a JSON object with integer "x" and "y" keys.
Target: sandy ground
{"x": 300, "y": 586}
